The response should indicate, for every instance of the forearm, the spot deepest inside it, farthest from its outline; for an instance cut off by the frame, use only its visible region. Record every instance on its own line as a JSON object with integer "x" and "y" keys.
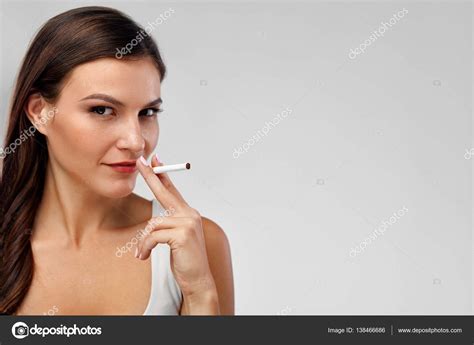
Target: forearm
{"x": 205, "y": 303}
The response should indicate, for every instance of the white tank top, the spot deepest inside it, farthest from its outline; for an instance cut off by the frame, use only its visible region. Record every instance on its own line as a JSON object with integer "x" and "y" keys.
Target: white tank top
{"x": 165, "y": 295}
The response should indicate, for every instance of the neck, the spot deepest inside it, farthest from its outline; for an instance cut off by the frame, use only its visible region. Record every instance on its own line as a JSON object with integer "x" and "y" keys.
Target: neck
{"x": 71, "y": 213}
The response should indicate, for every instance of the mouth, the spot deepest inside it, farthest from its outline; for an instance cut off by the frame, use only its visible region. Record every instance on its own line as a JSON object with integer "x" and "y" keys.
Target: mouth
{"x": 124, "y": 167}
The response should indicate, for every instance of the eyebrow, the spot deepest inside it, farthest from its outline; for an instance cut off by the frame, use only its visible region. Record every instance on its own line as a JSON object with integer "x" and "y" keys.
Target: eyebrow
{"x": 115, "y": 101}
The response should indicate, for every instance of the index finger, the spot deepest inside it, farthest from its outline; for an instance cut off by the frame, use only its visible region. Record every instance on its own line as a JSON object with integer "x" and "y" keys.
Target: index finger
{"x": 164, "y": 178}
{"x": 162, "y": 194}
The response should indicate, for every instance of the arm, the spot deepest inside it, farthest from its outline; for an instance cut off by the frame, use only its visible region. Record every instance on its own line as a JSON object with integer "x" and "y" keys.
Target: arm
{"x": 219, "y": 300}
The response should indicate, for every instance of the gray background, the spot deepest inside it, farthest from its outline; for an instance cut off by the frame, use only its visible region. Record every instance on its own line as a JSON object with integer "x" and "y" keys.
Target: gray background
{"x": 366, "y": 137}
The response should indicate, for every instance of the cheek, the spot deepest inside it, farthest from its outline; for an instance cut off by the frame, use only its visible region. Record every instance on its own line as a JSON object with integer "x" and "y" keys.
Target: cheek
{"x": 77, "y": 145}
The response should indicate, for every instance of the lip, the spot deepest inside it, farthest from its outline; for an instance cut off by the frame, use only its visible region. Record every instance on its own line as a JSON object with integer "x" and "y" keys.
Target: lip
{"x": 125, "y": 166}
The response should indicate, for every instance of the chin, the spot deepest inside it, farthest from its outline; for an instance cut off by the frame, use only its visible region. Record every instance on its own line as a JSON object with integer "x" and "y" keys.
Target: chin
{"x": 118, "y": 189}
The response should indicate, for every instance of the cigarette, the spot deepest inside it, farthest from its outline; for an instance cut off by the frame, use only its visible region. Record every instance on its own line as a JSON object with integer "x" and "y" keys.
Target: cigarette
{"x": 171, "y": 167}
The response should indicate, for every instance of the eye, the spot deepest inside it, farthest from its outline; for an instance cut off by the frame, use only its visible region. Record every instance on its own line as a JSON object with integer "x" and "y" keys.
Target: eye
{"x": 102, "y": 110}
{"x": 150, "y": 112}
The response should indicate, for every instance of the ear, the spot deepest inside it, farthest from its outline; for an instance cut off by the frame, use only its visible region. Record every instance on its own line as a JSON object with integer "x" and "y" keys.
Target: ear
{"x": 39, "y": 112}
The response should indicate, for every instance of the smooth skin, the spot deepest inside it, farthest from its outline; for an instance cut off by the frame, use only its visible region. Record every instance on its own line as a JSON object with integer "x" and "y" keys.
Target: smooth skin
{"x": 106, "y": 113}
{"x": 183, "y": 232}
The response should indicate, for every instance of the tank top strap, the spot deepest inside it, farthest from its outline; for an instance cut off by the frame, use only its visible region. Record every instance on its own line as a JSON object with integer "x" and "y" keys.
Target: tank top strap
{"x": 166, "y": 296}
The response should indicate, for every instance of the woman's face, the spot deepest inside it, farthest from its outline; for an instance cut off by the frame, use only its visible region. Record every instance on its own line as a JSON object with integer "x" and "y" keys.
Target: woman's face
{"x": 106, "y": 113}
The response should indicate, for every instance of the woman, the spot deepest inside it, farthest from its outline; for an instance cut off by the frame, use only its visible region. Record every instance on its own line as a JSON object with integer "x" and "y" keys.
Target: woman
{"x": 82, "y": 124}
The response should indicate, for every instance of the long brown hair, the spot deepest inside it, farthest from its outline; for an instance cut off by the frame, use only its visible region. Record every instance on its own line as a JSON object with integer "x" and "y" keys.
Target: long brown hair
{"x": 64, "y": 42}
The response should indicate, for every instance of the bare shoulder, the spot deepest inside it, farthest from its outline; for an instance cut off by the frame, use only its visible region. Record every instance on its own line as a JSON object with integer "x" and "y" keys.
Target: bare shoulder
{"x": 220, "y": 263}
{"x": 213, "y": 232}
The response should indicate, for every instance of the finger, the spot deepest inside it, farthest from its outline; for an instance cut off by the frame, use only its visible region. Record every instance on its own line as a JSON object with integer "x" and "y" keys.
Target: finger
{"x": 165, "y": 179}
{"x": 162, "y": 194}
{"x": 152, "y": 240}
{"x": 159, "y": 223}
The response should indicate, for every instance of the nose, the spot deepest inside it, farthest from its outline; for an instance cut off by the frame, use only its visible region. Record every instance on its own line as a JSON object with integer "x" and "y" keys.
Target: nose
{"x": 131, "y": 136}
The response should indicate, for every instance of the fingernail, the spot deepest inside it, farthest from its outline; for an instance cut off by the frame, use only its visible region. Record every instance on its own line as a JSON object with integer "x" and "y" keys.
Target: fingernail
{"x": 136, "y": 252}
{"x": 143, "y": 160}
{"x": 157, "y": 158}
{"x": 140, "y": 256}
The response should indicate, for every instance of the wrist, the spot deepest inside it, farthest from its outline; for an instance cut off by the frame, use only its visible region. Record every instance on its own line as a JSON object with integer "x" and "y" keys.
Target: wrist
{"x": 203, "y": 288}
{"x": 205, "y": 302}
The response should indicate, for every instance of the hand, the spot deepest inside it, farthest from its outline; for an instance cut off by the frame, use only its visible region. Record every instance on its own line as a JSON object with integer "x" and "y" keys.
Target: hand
{"x": 182, "y": 231}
